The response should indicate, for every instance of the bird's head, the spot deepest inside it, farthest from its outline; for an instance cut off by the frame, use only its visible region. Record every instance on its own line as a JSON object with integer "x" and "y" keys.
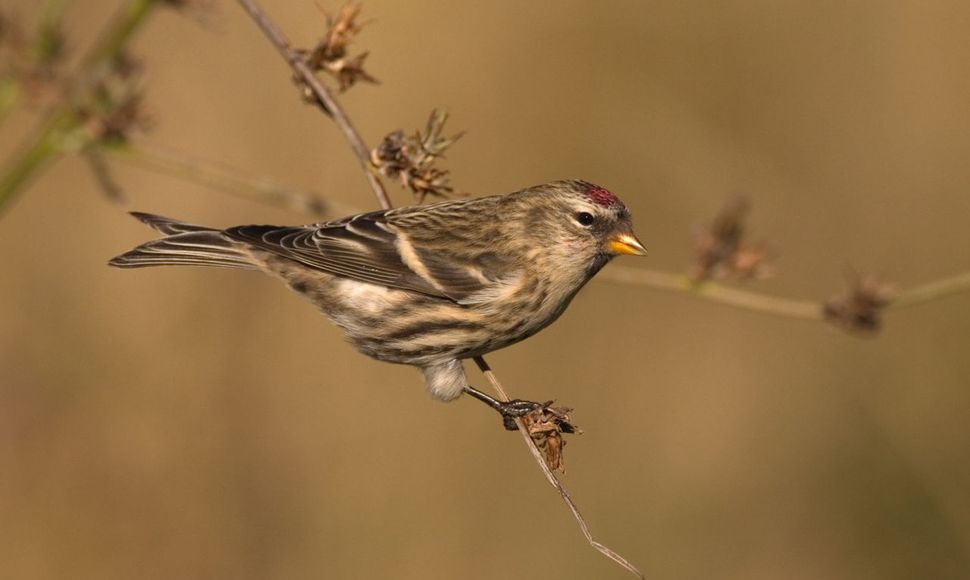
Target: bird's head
{"x": 584, "y": 221}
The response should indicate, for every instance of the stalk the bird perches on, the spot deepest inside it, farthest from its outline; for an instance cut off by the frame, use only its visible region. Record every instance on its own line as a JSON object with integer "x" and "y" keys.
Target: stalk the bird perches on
{"x": 432, "y": 285}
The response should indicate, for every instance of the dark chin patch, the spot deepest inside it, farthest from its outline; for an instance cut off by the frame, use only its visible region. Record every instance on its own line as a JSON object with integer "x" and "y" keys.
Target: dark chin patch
{"x": 597, "y": 264}
{"x": 599, "y": 195}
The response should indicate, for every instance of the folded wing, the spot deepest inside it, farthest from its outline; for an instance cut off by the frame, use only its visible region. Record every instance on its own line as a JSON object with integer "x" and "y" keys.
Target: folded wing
{"x": 368, "y": 248}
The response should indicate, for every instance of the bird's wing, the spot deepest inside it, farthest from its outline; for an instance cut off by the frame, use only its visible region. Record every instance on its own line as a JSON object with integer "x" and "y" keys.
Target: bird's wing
{"x": 368, "y": 248}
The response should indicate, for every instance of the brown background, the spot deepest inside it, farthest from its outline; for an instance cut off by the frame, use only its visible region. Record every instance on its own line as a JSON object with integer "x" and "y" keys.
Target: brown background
{"x": 191, "y": 423}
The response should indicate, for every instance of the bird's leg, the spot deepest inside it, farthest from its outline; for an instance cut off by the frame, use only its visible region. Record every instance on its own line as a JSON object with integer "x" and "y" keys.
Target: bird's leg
{"x": 510, "y": 410}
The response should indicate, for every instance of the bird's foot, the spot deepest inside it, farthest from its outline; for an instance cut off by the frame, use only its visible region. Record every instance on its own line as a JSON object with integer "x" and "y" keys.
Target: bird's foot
{"x": 534, "y": 413}
{"x": 544, "y": 423}
{"x": 517, "y": 409}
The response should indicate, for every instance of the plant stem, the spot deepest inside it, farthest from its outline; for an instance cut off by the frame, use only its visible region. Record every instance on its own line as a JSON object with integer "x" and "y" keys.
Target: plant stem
{"x": 785, "y": 307}
{"x": 551, "y": 477}
{"x": 932, "y": 291}
{"x": 326, "y": 99}
{"x": 61, "y": 122}
{"x": 258, "y": 189}
{"x": 9, "y": 95}
{"x": 801, "y": 309}
{"x": 45, "y": 148}
{"x": 111, "y": 45}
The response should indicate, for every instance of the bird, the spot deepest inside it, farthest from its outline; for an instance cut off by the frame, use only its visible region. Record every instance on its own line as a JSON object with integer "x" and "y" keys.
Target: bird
{"x": 427, "y": 285}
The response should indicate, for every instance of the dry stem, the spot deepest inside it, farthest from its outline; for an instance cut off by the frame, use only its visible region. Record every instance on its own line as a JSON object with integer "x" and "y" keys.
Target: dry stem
{"x": 784, "y": 307}
{"x": 320, "y": 91}
{"x": 801, "y": 309}
{"x": 259, "y": 189}
{"x": 551, "y": 477}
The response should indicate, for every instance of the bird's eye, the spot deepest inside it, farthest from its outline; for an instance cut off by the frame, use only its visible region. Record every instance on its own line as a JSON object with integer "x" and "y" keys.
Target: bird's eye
{"x": 585, "y": 219}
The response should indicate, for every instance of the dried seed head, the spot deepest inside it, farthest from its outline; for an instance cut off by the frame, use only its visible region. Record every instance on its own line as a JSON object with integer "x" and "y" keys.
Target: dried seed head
{"x": 720, "y": 249}
{"x": 348, "y": 71}
{"x": 411, "y": 160}
{"x": 858, "y": 308}
{"x": 546, "y": 426}
{"x": 35, "y": 63}
{"x": 115, "y": 106}
{"x": 330, "y": 53}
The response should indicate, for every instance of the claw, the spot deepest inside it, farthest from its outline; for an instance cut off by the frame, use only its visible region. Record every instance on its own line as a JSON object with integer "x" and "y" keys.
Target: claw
{"x": 512, "y": 410}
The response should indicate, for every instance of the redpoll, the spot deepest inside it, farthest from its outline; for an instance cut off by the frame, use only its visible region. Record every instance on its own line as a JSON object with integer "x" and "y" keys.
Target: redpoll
{"x": 429, "y": 285}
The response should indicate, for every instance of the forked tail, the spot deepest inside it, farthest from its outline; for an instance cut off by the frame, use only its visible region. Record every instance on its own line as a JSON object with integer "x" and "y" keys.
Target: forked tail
{"x": 183, "y": 245}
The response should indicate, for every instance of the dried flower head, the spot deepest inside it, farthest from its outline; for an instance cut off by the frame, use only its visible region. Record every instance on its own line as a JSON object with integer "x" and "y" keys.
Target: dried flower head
{"x": 546, "y": 426}
{"x": 115, "y": 106}
{"x": 330, "y": 54}
{"x": 721, "y": 251}
{"x": 35, "y": 63}
{"x": 858, "y": 308}
{"x": 411, "y": 160}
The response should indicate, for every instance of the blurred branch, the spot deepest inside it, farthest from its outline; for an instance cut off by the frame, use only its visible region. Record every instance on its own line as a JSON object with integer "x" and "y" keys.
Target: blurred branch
{"x": 111, "y": 44}
{"x": 102, "y": 173}
{"x": 323, "y": 96}
{"x": 34, "y": 62}
{"x": 9, "y": 95}
{"x": 932, "y": 291}
{"x": 63, "y": 121}
{"x": 784, "y": 307}
{"x": 801, "y": 309}
{"x": 259, "y": 189}
{"x": 44, "y": 149}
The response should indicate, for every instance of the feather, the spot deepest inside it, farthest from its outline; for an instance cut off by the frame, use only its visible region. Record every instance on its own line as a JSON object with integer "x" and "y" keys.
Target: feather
{"x": 200, "y": 247}
{"x": 370, "y": 248}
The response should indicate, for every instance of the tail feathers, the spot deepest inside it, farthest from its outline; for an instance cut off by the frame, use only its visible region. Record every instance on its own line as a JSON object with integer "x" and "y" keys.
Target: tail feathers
{"x": 168, "y": 226}
{"x": 196, "y": 246}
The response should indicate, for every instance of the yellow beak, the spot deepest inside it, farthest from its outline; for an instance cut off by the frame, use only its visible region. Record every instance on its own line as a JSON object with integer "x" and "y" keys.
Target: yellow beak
{"x": 626, "y": 244}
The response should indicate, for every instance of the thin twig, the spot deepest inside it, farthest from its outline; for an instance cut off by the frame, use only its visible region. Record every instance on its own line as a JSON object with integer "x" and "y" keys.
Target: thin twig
{"x": 259, "y": 189}
{"x": 932, "y": 291}
{"x": 102, "y": 173}
{"x": 325, "y": 98}
{"x": 551, "y": 477}
{"x": 9, "y": 95}
{"x": 44, "y": 149}
{"x": 785, "y": 307}
{"x": 801, "y": 309}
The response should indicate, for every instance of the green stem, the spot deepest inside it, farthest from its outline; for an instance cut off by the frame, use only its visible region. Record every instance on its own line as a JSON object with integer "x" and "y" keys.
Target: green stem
{"x": 48, "y": 38}
{"x": 10, "y": 85}
{"x": 801, "y": 309}
{"x": 9, "y": 95}
{"x": 254, "y": 188}
{"x": 45, "y": 148}
{"x": 110, "y": 45}
{"x": 932, "y": 291}
{"x": 61, "y": 122}
{"x": 53, "y": 11}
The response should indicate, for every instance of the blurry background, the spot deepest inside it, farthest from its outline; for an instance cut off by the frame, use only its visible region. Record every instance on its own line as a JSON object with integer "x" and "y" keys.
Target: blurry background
{"x": 193, "y": 423}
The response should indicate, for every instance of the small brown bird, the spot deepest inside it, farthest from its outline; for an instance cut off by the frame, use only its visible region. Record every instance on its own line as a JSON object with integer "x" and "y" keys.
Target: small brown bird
{"x": 428, "y": 285}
